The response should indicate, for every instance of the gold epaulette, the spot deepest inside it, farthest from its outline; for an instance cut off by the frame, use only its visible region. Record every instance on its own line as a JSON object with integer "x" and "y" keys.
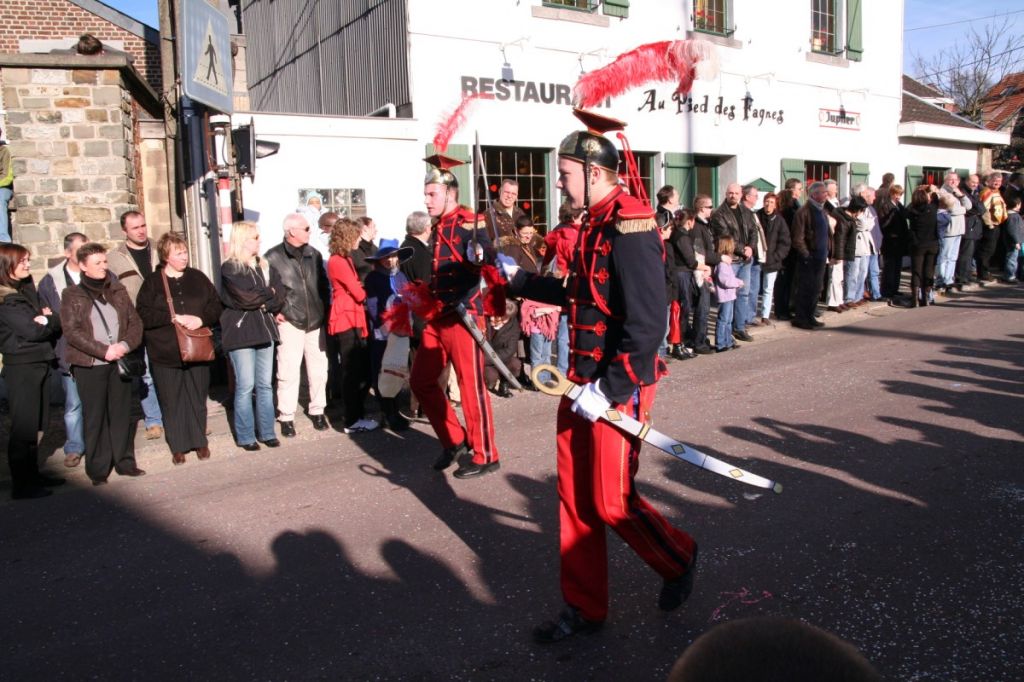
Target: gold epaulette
{"x": 635, "y": 225}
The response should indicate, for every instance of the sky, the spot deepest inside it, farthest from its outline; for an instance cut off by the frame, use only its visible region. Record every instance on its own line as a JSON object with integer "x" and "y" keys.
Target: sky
{"x": 917, "y": 15}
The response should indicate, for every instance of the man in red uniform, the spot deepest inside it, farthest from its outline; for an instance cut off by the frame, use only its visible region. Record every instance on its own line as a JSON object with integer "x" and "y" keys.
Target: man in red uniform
{"x": 455, "y": 278}
{"x": 615, "y": 296}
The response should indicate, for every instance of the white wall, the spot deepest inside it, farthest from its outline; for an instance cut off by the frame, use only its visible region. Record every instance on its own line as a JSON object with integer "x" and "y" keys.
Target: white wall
{"x": 384, "y": 156}
{"x": 379, "y": 155}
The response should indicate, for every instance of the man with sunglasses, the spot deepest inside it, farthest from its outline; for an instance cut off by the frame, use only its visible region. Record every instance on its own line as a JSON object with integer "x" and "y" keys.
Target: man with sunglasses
{"x": 299, "y": 269}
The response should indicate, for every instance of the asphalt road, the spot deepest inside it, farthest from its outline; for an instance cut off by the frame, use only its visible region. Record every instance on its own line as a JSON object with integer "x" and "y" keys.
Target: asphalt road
{"x": 897, "y": 435}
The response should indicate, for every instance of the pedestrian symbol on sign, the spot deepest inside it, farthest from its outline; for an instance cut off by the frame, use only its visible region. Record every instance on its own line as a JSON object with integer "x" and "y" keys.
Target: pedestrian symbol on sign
{"x": 209, "y": 69}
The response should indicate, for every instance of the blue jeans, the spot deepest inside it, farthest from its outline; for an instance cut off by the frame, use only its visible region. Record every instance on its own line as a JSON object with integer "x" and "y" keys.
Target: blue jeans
{"x": 540, "y": 353}
{"x": 73, "y": 426}
{"x": 5, "y": 219}
{"x": 1013, "y": 264}
{"x": 767, "y": 292}
{"x": 854, "y": 273}
{"x": 147, "y": 395}
{"x": 754, "y": 293}
{"x": 562, "y": 341}
{"x": 254, "y": 369}
{"x": 874, "y": 282}
{"x": 723, "y": 327}
{"x": 739, "y": 320}
{"x": 945, "y": 265}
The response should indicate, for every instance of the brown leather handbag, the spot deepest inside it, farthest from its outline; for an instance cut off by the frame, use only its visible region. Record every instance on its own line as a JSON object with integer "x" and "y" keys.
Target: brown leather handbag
{"x": 195, "y": 345}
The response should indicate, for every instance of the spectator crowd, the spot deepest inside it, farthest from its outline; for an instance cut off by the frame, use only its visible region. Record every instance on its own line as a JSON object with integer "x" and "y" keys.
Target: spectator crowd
{"x": 136, "y": 322}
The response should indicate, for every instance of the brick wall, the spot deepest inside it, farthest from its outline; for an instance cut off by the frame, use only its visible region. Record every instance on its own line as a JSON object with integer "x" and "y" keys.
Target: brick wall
{"x": 52, "y": 19}
{"x": 72, "y": 134}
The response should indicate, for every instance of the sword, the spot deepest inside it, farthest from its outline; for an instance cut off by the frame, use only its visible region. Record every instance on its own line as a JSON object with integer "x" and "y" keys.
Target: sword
{"x": 474, "y": 331}
{"x": 561, "y": 386}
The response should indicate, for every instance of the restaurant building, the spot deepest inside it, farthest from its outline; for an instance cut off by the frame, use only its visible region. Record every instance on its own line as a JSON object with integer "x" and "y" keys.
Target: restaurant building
{"x": 354, "y": 95}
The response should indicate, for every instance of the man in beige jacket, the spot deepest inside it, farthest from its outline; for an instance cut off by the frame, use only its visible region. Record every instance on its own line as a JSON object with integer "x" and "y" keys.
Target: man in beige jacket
{"x": 132, "y": 261}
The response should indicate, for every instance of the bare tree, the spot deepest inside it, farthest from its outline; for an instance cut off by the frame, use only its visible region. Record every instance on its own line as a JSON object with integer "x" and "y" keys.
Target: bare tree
{"x": 968, "y": 69}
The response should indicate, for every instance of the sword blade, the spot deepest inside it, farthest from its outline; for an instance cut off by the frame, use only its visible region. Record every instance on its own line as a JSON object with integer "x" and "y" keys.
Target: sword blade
{"x": 470, "y": 324}
{"x": 567, "y": 389}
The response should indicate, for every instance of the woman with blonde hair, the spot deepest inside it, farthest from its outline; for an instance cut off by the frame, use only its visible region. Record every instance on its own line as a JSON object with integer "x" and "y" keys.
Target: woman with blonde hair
{"x": 248, "y": 335}
{"x": 181, "y": 387}
{"x": 347, "y": 324}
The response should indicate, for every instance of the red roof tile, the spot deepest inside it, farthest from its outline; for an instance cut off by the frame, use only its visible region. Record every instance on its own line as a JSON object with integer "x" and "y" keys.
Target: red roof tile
{"x": 1003, "y": 102}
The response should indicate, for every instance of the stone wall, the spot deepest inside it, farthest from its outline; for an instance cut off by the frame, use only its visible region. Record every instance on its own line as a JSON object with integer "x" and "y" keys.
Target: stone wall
{"x": 74, "y": 136}
{"x": 43, "y": 19}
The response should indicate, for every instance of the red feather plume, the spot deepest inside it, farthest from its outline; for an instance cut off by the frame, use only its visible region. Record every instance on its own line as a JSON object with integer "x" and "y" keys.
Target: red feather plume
{"x": 447, "y": 128}
{"x": 680, "y": 61}
{"x": 397, "y": 318}
{"x": 494, "y": 296}
{"x": 421, "y": 300}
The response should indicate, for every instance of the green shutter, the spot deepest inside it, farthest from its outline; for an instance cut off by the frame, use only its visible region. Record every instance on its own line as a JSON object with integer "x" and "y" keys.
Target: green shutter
{"x": 915, "y": 176}
{"x": 792, "y": 168}
{"x": 462, "y": 173}
{"x": 854, "y": 40}
{"x": 858, "y": 174}
{"x": 616, "y": 8}
{"x": 679, "y": 173}
{"x": 963, "y": 173}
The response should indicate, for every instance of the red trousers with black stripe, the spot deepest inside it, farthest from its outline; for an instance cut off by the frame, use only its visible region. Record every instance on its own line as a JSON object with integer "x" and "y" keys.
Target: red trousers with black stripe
{"x": 447, "y": 340}
{"x": 596, "y": 466}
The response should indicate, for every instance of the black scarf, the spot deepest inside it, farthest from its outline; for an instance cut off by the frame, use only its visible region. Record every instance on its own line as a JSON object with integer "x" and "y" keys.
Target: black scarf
{"x": 95, "y": 287}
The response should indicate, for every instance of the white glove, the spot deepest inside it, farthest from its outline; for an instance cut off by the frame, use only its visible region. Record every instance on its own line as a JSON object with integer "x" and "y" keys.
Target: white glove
{"x": 474, "y": 253}
{"x": 508, "y": 266}
{"x": 591, "y": 403}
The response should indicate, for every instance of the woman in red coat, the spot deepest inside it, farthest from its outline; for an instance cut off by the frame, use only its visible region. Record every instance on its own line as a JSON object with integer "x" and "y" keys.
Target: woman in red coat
{"x": 347, "y": 324}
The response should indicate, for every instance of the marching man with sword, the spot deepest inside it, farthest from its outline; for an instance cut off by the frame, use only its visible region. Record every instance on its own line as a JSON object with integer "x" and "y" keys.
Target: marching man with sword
{"x": 616, "y": 304}
{"x": 452, "y": 303}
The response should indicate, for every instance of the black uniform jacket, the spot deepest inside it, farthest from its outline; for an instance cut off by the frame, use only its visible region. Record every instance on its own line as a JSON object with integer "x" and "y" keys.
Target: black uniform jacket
{"x": 454, "y": 278}
{"x": 615, "y": 297}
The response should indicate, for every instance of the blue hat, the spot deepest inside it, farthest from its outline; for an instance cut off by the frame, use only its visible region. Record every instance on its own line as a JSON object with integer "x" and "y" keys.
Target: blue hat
{"x": 389, "y": 247}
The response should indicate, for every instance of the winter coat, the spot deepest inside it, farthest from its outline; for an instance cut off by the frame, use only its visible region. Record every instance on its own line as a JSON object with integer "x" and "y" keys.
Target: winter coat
{"x": 973, "y": 224}
{"x": 192, "y": 294}
{"x": 122, "y": 264}
{"x": 22, "y": 339}
{"x": 348, "y": 307}
{"x": 704, "y": 243}
{"x": 1013, "y": 232}
{"x": 923, "y": 223}
{"x": 723, "y": 224}
{"x": 777, "y": 236}
{"x": 51, "y": 286}
{"x": 844, "y": 236}
{"x": 247, "y": 320}
{"x": 297, "y": 273}
{"x": 895, "y": 233}
{"x": 726, "y": 283}
{"x": 76, "y": 320}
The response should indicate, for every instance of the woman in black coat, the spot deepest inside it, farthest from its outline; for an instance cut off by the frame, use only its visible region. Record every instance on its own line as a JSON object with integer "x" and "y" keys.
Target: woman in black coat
{"x": 27, "y": 335}
{"x": 892, "y": 219}
{"x": 248, "y": 335}
{"x": 181, "y": 387}
{"x": 923, "y": 230}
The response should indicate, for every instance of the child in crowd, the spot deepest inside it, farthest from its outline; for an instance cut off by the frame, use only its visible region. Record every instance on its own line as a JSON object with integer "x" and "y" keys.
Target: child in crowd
{"x": 726, "y": 284}
{"x": 503, "y": 335}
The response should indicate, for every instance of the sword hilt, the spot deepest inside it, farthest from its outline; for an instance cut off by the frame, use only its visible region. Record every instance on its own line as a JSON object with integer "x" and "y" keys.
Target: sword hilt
{"x": 557, "y": 385}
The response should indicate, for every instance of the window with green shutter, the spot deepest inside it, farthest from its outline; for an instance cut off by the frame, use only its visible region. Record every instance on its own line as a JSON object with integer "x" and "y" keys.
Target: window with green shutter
{"x": 858, "y": 174}
{"x": 462, "y": 173}
{"x": 680, "y": 173}
{"x": 792, "y": 169}
{"x": 616, "y": 8}
{"x": 914, "y": 177}
{"x": 854, "y": 39}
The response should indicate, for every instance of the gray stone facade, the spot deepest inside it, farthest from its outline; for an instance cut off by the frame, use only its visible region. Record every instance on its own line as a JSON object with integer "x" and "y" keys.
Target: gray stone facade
{"x": 74, "y": 133}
